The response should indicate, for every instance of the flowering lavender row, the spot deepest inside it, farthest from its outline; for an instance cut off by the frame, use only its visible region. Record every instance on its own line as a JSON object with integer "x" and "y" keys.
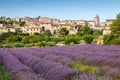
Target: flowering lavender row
{"x": 17, "y": 70}
{"x": 106, "y": 57}
{"x": 49, "y": 69}
{"x": 46, "y": 62}
{"x": 90, "y": 54}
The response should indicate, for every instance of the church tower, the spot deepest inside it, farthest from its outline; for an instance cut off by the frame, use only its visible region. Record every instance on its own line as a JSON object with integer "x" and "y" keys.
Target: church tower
{"x": 97, "y": 21}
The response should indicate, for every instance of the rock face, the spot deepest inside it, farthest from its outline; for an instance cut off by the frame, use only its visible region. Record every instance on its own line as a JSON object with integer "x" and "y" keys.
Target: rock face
{"x": 100, "y": 40}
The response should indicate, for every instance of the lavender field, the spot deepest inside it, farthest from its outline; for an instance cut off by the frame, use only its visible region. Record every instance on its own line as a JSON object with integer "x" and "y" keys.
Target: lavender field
{"x": 79, "y": 62}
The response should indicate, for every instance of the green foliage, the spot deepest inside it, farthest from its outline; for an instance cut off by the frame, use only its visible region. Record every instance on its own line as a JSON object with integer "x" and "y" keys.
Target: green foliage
{"x": 79, "y": 30}
{"x": 36, "y": 33}
{"x": 4, "y": 36}
{"x": 107, "y": 38}
{"x": 9, "y": 21}
{"x": 14, "y": 39}
{"x": 48, "y": 33}
{"x": 94, "y": 41}
{"x": 86, "y": 30}
{"x": 3, "y": 74}
{"x": 84, "y": 68}
{"x": 41, "y": 44}
{"x": 22, "y": 34}
{"x": 57, "y": 39}
{"x": 22, "y": 23}
{"x": 7, "y": 45}
{"x": 31, "y": 39}
{"x": 98, "y": 32}
{"x": 118, "y": 17}
{"x": 29, "y": 45}
{"x": 88, "y": 39}
{"x": 115, "y": 27}
{"x": 50, "y": 43}
{"x": 18, "y": 44}
{"x": 74, "y": 39}
{"x": 64, "y": 31}
{"x": 112, "y": 39}
{"x": 82, "y": 42}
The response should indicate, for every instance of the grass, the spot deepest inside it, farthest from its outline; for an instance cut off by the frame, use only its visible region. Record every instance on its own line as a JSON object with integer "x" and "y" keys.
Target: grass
{"x": 84, "y": 68}
{"x": 3, "y": 74}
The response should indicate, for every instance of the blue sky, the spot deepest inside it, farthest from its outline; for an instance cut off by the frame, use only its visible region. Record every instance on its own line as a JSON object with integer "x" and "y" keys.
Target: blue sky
{"x": 61, "y": 9}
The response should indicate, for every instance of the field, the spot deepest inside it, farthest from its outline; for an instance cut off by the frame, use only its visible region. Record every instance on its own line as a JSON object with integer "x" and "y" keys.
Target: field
{"x": 79, "y": 62}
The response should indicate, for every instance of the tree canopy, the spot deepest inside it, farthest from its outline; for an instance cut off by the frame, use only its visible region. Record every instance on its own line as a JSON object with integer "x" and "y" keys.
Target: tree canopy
{"x": 64, "y": 31}
{"x": 115, "y": 26}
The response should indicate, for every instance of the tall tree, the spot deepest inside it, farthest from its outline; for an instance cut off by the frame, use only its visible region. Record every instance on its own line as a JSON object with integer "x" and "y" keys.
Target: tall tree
{"x": 86, "y": 30}
{"x": 118, "y": 17}
{"x": 64, "y": 31}
{"x": 115, "y": 26}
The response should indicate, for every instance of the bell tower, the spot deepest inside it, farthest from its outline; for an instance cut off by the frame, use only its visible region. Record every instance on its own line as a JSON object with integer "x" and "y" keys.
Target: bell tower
{"x": 97, "y": 21}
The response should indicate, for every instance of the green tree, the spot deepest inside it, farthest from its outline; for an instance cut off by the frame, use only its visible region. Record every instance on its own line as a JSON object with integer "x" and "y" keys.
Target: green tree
{"x": 14, "y": 39}
{"x": 118, "y": 17}
{"x": 22, "y": 23}
{"x": 86, "y": 30}
{"x": 88, "y": 39}
{"x": 115, "y": 27}
{"x": 79, "y": 32}
{"x": 47, "y": 33}
{"x": 64, "y": 31}
{"x": 98, "y": 32}
{"x": 9, "y": 21}
{"x": 5, "y": 36}
{"x": 31, "y": 39}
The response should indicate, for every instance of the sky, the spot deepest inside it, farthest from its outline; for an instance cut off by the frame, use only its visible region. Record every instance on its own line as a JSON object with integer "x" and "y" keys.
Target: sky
{"x": 61, "y": 9}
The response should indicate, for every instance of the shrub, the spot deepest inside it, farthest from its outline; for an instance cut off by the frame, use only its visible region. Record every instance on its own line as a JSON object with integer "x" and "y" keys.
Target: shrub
{"x": 18, "y": 44}
{"x": 29, "y": 45}
{"x": 40, "y": 44}
{"x": 94, "y": 41}
{"x": 56, "y": 40}
{"x": 3, "y": 74}
{"x": 82, "y": 42}
{"x": 74, "y": 39}
{"x": 88, "y": 39}
{"x": 107, "y": 38}
{"x": 51, "y": 43}
{"x": 14, "y": 39}
{"x": 7, "y": 45}
{"x": 111, "y": 39}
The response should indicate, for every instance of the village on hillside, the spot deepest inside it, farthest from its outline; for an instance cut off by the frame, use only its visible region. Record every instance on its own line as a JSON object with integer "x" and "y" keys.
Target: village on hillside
{"x": 41, "y": 24}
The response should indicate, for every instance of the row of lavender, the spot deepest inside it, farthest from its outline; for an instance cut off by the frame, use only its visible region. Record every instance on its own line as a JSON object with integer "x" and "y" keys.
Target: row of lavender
{"x": 16, "y": 68}
{"x": 54, "y": 62}
{"x": 50, "y": 70}
{"x": 107, "y": 58}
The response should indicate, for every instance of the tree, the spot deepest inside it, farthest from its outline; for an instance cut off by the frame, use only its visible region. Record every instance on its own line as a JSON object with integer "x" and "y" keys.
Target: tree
{"x": 9, "y": 21}
{"x": 31, "y": 39}
{"x": 88, "y": 39}
{"x": 114, "y": 37}
{"x": 79, "y": 32}
{"x": 86, "y": 30}
{"x": 98, "y": 32}
{"x": 39, "y": 17}
{"x": 22, "y": 23}
{"x": 64, "y": 31}
{"x": 6, "y": 35}
{"x": 47, "y": 33}
{"x": 14, "y": 39}
{"x": 115, "y": 26}
{"x": 118, "y": 17}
